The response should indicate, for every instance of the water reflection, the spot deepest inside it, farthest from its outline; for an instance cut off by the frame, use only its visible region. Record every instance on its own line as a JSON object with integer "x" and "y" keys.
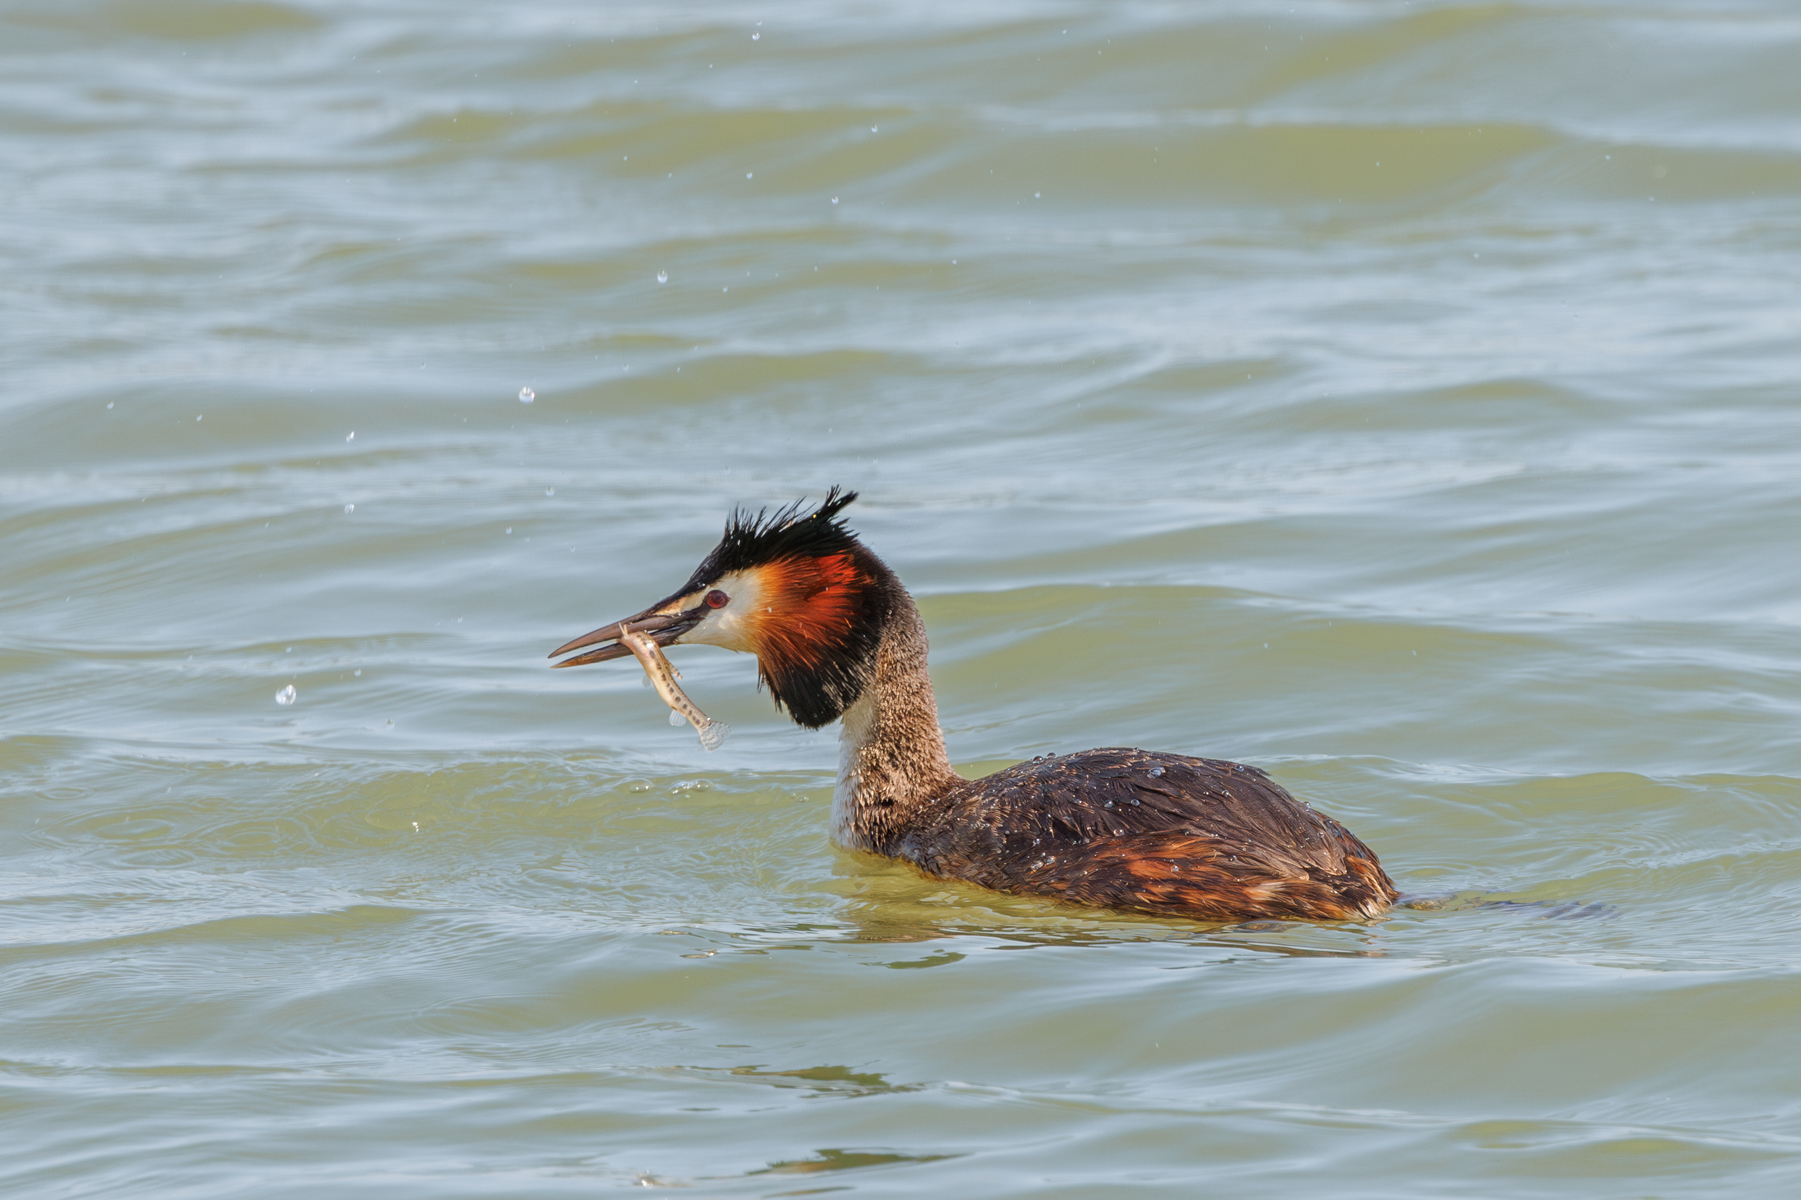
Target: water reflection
{"x": 825, "y": 1081}
{"x": 843, "y": 1160}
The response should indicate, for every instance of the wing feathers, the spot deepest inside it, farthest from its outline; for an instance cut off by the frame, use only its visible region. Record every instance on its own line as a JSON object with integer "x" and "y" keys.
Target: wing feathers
{"x": 1160, "y": 833}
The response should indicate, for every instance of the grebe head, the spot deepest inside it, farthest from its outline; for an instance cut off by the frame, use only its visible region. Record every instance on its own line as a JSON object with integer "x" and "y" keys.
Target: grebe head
{"x": 798, "y": 591}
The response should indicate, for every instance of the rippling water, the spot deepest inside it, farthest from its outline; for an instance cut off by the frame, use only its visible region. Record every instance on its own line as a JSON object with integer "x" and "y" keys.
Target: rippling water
{"x": 1400, "y": 397}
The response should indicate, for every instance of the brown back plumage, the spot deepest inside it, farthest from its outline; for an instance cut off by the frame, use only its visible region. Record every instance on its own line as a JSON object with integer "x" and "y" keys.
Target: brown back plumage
{"x": 1159, "y": 833}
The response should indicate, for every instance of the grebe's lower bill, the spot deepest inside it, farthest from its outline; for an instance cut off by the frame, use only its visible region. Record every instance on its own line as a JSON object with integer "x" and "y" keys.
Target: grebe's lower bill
{"x": 837, "y": 638}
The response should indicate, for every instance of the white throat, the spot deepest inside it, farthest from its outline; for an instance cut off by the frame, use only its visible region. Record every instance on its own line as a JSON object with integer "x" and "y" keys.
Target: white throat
{"x": 858, "y": 724}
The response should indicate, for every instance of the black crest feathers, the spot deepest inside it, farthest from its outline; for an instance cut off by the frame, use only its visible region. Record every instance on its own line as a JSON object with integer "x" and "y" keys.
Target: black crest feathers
{"x": 755, "y": 539}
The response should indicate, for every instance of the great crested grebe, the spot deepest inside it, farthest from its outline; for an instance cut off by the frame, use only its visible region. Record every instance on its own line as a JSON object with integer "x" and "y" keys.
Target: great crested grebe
{"x": 837, "y": 637}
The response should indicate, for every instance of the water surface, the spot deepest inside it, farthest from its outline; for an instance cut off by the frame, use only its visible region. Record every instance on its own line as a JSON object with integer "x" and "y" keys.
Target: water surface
{"x": 1399, "y": 397}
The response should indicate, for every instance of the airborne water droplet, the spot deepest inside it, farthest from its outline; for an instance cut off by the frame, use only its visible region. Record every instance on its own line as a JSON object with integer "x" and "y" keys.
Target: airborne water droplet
{"x": 755, "y": 36}
{"x": 350, "y": 508}
{"x": 662, "y": 276}
{"x": 526, "y": 395}
{"x": 286, "y": 696}
{"x": 351, "y": 437}
{"x": 550, "y": 491}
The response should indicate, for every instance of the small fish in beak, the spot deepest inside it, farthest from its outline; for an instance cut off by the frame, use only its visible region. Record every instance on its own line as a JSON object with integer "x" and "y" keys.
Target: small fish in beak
{"x": 663, "y": 676}
{"x": 644, "y": 636}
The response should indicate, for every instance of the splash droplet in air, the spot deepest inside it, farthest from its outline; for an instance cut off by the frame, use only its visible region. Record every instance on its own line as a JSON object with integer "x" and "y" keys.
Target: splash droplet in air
{"x": 526, "y": 395}
{"x": 834, "y": 199}
{"x": 662, "y": 276}
{"x": 350, "y": 508}
{"x": 286, "y": 696}
{"x": 755, "y": 36}
{"x": 550, "y": 491}
{"x": 351, "y": 436}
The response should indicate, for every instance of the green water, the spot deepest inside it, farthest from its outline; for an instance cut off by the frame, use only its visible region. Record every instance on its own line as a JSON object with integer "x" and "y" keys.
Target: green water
{"x": 1399, "y": 397}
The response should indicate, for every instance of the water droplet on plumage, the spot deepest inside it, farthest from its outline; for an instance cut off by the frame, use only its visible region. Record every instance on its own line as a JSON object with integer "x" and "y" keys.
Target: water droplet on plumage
{"x": 286, "y": 696}
{"x": 1158, "y": 771}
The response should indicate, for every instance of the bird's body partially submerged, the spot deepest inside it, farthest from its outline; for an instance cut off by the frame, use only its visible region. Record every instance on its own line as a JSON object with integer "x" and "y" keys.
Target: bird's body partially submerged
{"x": 837, "y": 637}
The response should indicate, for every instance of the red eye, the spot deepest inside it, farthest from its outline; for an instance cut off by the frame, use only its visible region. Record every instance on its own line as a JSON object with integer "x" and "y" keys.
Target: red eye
{"x": 717, "y": 599}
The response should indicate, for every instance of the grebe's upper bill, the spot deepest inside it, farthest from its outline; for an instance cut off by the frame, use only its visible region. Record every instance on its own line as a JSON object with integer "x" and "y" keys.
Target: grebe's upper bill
{"x": 664, "y": 627}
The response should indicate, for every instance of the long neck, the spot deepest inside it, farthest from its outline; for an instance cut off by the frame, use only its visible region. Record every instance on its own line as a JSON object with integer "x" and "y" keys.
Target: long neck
{"x": 892, "y": 764}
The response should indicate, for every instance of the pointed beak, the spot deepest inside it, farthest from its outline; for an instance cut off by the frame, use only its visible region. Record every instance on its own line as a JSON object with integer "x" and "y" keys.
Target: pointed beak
{"x": 665, "y": 629}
